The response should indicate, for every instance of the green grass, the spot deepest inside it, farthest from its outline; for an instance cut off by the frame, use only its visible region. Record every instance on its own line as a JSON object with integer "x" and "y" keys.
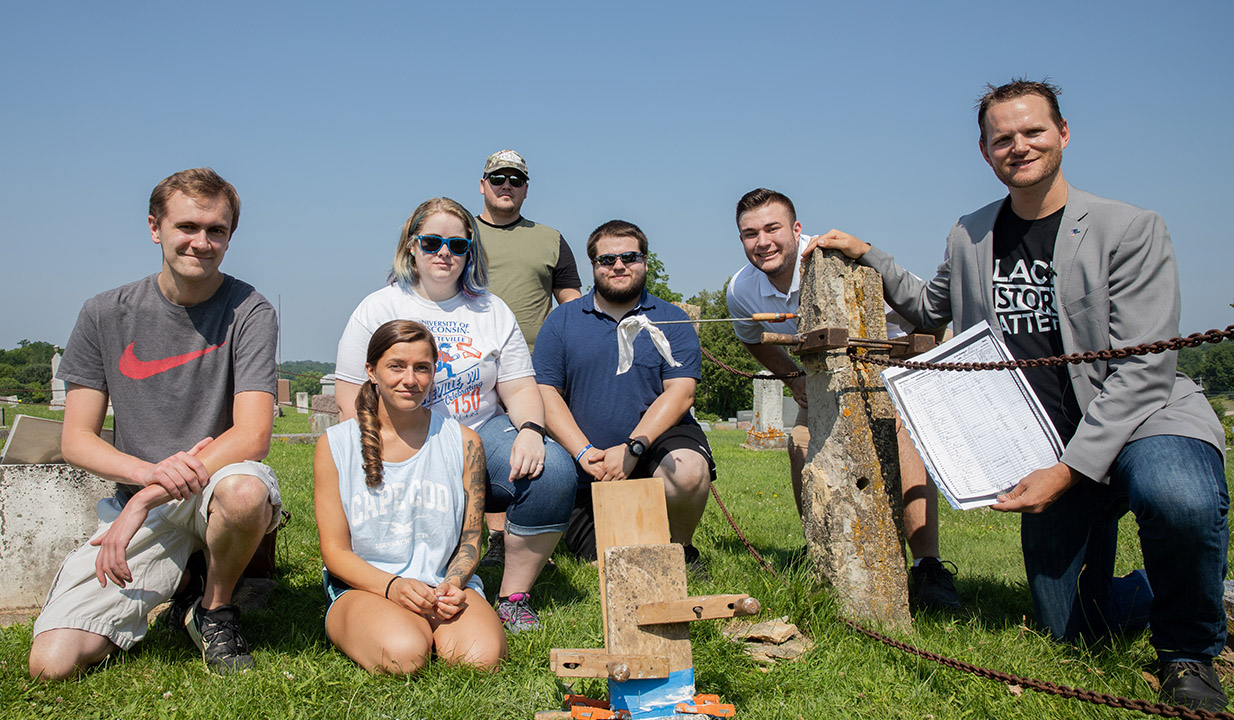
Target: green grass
{"x": 300, "y": 675}
{"x": 12, "y": 411}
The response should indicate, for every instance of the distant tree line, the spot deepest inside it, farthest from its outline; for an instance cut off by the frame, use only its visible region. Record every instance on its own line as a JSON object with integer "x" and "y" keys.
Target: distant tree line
{"x": 25, "y": 371}
{"x": 720, "y": 394}
{"x": 297, "y": 369}
{"x": 1210, "y": 365}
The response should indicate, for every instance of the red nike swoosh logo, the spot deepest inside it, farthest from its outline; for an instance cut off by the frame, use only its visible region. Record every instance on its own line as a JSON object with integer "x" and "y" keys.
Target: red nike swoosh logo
{"x": 132, "y": 367}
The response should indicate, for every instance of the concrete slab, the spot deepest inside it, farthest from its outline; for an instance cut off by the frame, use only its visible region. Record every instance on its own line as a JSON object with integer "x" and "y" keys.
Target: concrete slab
{"x": 45, "y": 512}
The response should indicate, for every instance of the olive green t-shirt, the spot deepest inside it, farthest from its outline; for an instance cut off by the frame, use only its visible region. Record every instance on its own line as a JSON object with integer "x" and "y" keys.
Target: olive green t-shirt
{"x": 526, "y": 263}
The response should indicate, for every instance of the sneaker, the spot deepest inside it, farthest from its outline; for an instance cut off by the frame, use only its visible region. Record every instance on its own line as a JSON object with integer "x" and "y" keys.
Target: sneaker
{"x": 217, "y": 634}
{"x": 516, "y": 613}
{"x": 495, "y": 556}
{"x": 195, "y": 569}
{"x": 934, "y": 585}
{"x": 695, "y": 567}
{"x": 1192, "y": 684}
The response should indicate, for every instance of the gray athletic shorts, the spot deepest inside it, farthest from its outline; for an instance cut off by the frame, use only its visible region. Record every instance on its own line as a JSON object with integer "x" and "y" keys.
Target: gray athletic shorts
{"x": 156, "y": 556}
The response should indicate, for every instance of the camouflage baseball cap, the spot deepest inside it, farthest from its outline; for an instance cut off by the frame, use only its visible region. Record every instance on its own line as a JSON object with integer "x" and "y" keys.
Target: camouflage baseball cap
{"x": 506, "y": 159}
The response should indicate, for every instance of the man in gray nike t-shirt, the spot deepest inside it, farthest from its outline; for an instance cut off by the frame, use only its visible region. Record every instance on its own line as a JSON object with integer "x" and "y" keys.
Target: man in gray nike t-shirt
{"x": 186, "y": 359}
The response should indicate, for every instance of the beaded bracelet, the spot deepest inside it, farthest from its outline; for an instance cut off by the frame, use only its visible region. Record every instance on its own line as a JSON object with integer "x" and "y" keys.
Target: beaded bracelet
{"x": 579, "y": 457}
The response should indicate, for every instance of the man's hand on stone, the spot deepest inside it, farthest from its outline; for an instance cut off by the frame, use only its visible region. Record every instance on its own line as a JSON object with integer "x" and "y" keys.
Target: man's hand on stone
{"x": 1038, "y": 490}
{"x": 182, "y": 475}
{"x": 837, "y": 240}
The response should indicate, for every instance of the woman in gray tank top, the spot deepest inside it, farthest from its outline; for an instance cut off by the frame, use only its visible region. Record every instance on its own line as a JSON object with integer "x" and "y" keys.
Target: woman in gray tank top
{"x": 399, "y": 497}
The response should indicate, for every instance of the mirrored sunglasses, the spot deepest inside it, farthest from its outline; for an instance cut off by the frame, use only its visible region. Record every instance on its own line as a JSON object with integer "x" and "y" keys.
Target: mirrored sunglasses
{"x": 499, "y": 179}
{"x": 626, "y": 258}
{"x": 432, "y": 243}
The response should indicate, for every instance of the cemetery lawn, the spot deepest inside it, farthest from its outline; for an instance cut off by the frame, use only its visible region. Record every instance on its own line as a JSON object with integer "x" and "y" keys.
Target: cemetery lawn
{"x": 300, "y": 675}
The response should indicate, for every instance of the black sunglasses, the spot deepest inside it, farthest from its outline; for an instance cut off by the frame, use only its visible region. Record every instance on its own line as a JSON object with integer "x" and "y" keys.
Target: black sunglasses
{"x": 497, "y": 180}
{"x": 626, "y": 258}
{"x": 432, "y": 243}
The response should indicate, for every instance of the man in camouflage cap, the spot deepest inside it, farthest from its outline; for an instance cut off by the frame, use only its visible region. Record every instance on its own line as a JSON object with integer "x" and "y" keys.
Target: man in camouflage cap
{"x": 529, "y": 266}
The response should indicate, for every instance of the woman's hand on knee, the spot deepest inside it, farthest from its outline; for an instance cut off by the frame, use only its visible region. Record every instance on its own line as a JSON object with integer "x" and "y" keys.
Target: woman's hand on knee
{"x": 527, "y": 455}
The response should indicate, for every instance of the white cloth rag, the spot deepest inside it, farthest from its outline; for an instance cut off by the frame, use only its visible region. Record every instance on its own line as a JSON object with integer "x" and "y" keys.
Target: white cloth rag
{"x": 628, "y": 329}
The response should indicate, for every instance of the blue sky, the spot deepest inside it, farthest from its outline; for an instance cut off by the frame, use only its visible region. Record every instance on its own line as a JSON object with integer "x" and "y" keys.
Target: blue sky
{"x": 335, "y": 120}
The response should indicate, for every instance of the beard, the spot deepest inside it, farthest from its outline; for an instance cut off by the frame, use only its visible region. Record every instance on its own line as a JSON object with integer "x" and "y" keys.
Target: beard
{"x": 620, "y": 296}
{"x": 1048, "y": 165}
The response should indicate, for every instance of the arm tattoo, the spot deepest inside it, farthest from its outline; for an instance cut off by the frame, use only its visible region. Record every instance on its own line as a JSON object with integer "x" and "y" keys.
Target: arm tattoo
{"x": 475, "y": 482}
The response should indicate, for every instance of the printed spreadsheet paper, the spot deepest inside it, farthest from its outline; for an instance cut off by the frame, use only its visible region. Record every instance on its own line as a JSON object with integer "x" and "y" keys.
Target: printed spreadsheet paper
{"x": 979, "y": 432}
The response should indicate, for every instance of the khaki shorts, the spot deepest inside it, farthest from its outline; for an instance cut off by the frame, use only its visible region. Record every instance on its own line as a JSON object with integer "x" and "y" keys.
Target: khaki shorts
{"x": 156, "y": 556}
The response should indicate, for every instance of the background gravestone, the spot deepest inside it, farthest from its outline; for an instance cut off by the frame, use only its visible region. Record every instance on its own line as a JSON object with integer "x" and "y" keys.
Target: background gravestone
{"x": 767, "y": 427}
{"x": 46, "y": 511}
{"x": 58, "y": 386}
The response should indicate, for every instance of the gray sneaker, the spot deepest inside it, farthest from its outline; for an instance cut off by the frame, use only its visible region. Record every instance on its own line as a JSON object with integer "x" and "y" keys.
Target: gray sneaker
{"x": 217, "y": 634}
{"x": 516, "y": 613}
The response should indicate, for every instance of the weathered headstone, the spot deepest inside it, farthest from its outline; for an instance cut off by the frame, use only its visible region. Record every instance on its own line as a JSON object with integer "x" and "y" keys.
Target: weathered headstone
{"x": 45, "y": 512}
{"x": 58, "y": 386}
{"x": 284, "y": 389}
{"x": 325, "y": 413}
{"x": 767, "y": 429}
{"x": 327, "y": 384}
{"x": 851, "y": 494}
{"x": 302, "y": 402}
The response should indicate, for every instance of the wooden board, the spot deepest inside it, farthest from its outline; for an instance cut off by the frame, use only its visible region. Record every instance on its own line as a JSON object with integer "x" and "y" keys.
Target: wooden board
{"x": 645, "y": 574}
{"x": 699, "y": 607}
{"x": 599, "y": 663}
{"x": 627, "y": 512}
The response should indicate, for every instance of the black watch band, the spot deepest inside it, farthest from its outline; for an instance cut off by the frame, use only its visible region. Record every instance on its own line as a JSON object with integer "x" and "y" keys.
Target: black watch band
{"x": 529, "y": 425}
{"x": 637, "y": 447}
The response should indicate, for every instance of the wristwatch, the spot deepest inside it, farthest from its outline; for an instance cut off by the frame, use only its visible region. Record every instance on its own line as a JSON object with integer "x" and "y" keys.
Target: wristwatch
{"x": 529, "y": 425}
{"x": 637, "y": 447}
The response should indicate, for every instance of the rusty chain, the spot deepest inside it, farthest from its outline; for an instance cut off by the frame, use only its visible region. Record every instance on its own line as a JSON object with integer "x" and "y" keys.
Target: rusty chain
{"x": 1160, "y": 346}
{"x": 1065, "y": 691}
{"x": 1089, "y": 696}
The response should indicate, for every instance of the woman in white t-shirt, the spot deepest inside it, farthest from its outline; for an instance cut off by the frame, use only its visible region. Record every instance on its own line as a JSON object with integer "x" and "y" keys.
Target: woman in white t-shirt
{"x": 440, "y": 278}
{"x": 399, "y": 497}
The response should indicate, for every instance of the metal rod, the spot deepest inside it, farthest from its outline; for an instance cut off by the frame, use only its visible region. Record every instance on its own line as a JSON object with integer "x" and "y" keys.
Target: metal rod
{"x": 757, "y": 317}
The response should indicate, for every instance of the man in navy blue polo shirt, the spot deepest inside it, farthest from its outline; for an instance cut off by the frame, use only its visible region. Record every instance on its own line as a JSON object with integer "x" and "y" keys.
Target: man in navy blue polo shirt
{"x": 633, "y": 424}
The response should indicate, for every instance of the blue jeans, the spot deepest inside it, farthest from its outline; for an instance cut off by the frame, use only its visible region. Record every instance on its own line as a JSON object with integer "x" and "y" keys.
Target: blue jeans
{"x": 1176, "y": 488}
{"x": 535, "y": 505}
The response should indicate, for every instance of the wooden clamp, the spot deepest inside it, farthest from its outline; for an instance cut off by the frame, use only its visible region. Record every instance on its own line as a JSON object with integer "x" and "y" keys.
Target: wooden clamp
{"x": 599, "y": 663}
{"x": 825, "y": 339}
{"x": 702, "y": 607}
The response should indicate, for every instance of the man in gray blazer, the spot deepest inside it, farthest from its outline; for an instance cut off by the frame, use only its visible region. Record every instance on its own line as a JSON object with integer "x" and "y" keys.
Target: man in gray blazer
{"x": 1059, "y": 270}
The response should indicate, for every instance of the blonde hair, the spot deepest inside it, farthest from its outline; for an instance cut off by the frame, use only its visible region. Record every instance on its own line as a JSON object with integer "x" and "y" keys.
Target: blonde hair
{"x": 474, "y": 280}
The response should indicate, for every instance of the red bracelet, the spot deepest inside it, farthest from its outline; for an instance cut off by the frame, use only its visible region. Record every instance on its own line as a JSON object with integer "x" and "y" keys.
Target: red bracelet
{"x": 389, "y": 585}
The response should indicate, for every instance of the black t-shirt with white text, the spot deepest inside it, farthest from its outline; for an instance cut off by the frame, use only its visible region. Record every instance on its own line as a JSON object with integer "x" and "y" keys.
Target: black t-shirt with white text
{"x": 1027, "y": 308}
